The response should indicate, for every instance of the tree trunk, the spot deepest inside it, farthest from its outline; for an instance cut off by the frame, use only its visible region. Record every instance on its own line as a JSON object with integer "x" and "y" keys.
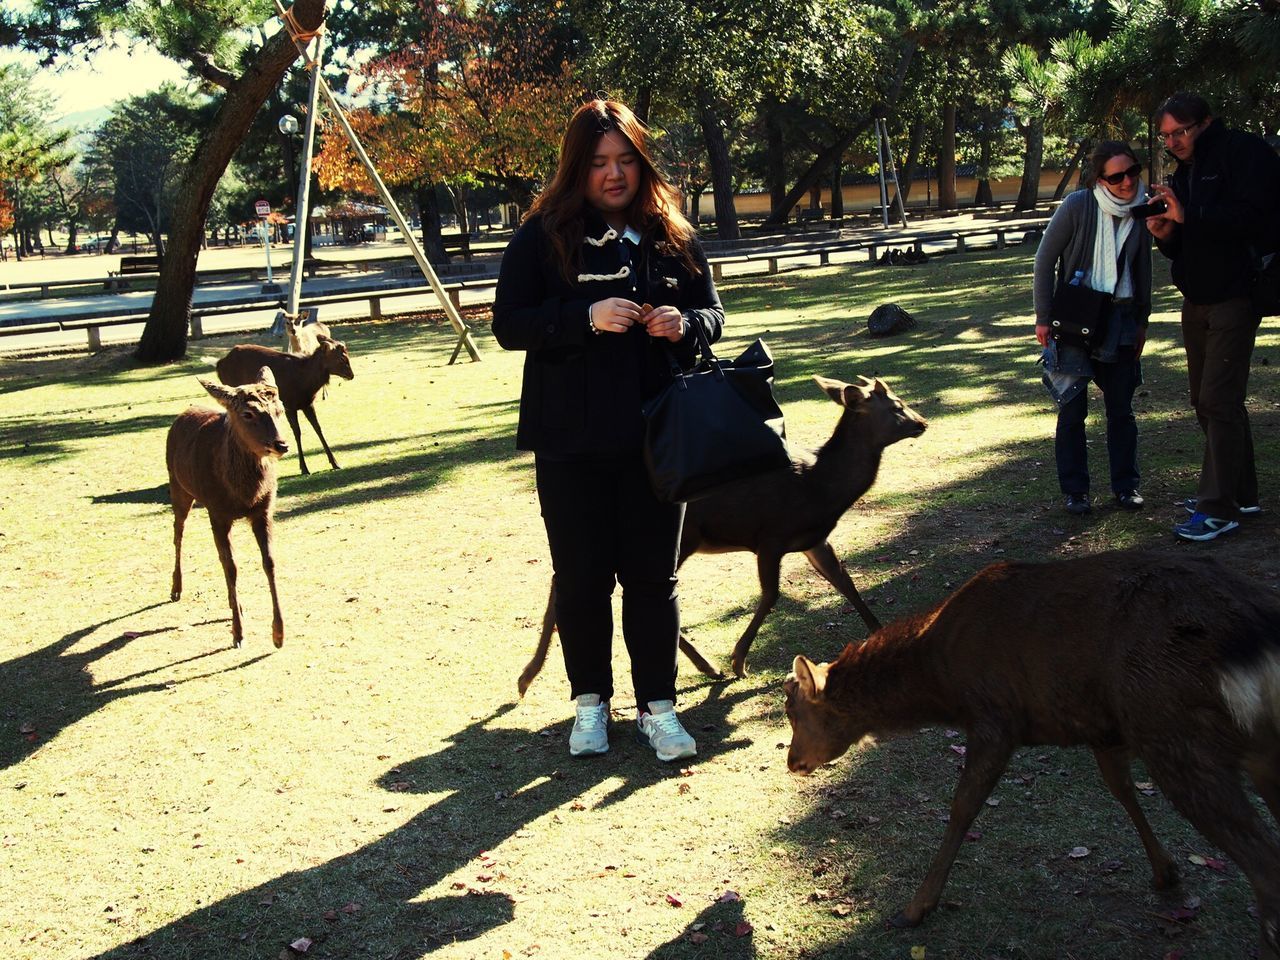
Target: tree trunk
{"x": 1029, "y": 192}
{"x": 825, "y": 158}
{"x": 164, "y": 337}
{"x": 908, "y": 172}
{"x": 947, "y": 160}
{"x": 644, "y": 103}
{"x": 429, "y": 214}
{"x": 721, "y": 171}
{"x": 774, "y": 157}
{"x": 983, "y": 197}
{"x": 837, "y": 192}
{"x": 1072, "y": 167}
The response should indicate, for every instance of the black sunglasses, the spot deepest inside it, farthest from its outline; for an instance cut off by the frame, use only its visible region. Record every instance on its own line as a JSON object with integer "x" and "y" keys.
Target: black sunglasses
{"x": 1115, "y": 179}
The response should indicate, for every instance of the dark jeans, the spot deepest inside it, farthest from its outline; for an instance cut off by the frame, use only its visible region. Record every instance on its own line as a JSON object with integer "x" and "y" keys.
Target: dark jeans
{"x": 1219, "y": 339}
{"x": 603, "y": 521}
{"x": 1117, "y": 381}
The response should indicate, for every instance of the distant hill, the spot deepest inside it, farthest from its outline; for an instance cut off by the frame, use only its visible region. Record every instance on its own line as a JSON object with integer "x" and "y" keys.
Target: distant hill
{"x": 83, "y": 119}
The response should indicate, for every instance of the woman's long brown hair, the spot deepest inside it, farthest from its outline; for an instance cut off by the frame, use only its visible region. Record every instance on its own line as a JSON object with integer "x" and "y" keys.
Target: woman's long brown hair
{"x": 655, "y": 211}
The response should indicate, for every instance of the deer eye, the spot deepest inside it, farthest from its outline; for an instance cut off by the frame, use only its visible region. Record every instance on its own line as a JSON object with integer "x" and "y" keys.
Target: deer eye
{"x": 246, "y": 414}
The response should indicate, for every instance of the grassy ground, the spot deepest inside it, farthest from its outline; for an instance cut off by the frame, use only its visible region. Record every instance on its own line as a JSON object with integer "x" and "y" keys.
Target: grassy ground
{"x": 376, "y": 788}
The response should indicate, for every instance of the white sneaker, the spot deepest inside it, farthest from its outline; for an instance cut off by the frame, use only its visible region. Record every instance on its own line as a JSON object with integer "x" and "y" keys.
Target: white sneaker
{"x": 661, "y": 728}
{"x": 590, "y": 727}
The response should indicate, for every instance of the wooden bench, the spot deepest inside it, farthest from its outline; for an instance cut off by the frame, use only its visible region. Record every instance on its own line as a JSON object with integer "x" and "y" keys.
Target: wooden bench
{"x": 808, "y": 218}
{"x": 133, "y": 265}
{"x": 457, "y": 243}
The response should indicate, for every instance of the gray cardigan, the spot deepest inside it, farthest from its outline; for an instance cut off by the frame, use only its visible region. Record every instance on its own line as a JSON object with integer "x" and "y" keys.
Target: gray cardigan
{"x": 1067, "y": 245}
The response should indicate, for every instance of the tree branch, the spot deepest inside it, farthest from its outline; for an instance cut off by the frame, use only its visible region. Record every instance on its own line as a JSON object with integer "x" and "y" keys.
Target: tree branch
{"x": 203, "y": 66}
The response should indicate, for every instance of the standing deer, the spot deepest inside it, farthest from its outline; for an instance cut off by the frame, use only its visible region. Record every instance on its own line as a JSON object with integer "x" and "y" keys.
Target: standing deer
{"x": 300, "y": 380}
{"x": 304, "y": 337}
{"x": 1174, "y": 659}
{"x": 227, "y": 462}
{"x": 787, "y": 511}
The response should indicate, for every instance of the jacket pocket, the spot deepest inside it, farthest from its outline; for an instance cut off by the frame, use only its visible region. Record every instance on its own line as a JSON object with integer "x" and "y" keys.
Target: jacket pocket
{"x": 562, "y": 390}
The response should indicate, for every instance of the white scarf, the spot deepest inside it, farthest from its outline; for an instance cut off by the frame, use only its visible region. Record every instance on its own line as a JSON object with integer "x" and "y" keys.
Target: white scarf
{"x": 1109, "y": 238}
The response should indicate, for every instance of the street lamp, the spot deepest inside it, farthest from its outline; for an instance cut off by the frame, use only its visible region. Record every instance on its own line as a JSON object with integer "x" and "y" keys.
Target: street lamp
{"x": 288, "y": 124}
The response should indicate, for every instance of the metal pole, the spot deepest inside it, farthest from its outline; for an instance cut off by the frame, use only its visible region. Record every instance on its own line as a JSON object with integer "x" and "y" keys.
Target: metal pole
{"x": 302, "y": 216}
{"x": 884, "y": 193}
{"x": 893, "y": 172}
{"x": 455, "y": 318}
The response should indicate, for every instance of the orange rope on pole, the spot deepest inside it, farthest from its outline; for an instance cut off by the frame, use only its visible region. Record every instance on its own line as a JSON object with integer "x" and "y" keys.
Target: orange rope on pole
{"x": 296, "y": 31}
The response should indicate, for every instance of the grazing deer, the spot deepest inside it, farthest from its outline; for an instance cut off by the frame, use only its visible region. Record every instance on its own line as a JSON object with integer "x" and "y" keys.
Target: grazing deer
{"x": 227, "y": 462}
{"x": 300, "y": 380}
{"x": 1174, "y": 659}
{"x": 787, "y": 511}
{"x": 304, "y": 337}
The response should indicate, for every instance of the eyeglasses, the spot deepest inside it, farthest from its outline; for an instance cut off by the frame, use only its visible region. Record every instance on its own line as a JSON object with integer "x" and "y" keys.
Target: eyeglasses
{"x": 1180, "y": 134}
{"x": 1115, "y": 179}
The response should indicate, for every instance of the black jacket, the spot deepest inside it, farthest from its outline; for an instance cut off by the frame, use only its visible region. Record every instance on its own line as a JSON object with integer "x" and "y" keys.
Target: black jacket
{"x": 582, "y": 391}
{"x": 1230, "y": 193}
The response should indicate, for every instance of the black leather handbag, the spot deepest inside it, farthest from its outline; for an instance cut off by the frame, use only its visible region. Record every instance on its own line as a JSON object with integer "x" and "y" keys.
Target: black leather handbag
{"x": 714, "y": 424}
{"x": 1078, "y": 316}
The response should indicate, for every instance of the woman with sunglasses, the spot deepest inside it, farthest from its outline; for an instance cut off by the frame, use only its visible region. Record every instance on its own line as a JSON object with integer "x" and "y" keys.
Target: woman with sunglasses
{"x": 604, "y": 280}
{"x": 1092, "y": 239}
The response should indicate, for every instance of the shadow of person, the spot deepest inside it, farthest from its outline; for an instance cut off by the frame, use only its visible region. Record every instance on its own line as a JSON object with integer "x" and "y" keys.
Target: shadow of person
{"x": 48, "y": 690}
{"x": 431, "y": 881}
{"x": 721, "y": 930}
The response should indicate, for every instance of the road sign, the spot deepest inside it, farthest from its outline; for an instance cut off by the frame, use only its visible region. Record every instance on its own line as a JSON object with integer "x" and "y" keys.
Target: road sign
{"x": 262, "y": 208}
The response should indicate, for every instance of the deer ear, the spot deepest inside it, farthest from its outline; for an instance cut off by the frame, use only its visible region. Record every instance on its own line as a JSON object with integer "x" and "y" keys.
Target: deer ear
{"x": 880, "y": 387}
{"x": 266, "y": 376}
{"x": 810, "y": 677}
{"x": 224, "y": 395}
{"x": 832, "y": 388}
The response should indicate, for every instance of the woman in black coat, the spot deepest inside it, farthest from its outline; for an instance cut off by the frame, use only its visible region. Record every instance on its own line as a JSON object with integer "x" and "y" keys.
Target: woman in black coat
{"x": 600, "y": 286}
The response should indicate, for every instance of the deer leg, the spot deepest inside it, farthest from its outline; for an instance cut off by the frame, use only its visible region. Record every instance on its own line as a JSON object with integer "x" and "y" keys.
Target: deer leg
{"x": 292, "y": 417}
{"x": 181, "y": 501}
{"x": 1206, "y": 790}
{"x": 534, "y": 666}
{"x": 222, "y": 539}
{"x": 768, "y": 567}
{"x": 261, "y": 524}
{"x": 702, "y": 664}
{"x": 823, "y": 559}
{"x": 1114, "y": 764}
{"x": 310, "y": 411}
{"x": 1263, "y": 767}
{"x": 984, "y": 761}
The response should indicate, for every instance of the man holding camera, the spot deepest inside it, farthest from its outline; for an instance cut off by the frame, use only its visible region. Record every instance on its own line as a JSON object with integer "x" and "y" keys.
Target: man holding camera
{"x": 1222, "y": 204}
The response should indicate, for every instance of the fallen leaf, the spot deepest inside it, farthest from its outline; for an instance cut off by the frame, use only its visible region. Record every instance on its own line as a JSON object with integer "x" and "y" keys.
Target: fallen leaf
{"x": 698, "y": 937}
{"x": 917, "y": 953}
{"x": 729, "y": 896}
{"x": 674, "y": 900}
{"x": 301, "y": 945}
{"x": 957, "y": 749}
{"x": 973, "y": 836}
{"x": 331, "y": 916}
{"x": 842, "y": 909}
{"x": 351, "y": 908}
{"x": 400, "y": 786}
{"x": 993, "y": 801}
{"x": 742, "y": 929}
{"x": 27, "y": 728}
{"x": 1078, "y": 852}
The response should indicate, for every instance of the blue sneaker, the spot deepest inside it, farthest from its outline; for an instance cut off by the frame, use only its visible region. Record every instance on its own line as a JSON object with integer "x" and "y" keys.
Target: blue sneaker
{"x": 1203, "y": 527}
{"x": 1189, "y": 505}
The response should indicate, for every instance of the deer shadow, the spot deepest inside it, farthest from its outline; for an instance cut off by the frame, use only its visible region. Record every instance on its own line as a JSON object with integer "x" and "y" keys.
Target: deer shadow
{"x": 50, "y": 689}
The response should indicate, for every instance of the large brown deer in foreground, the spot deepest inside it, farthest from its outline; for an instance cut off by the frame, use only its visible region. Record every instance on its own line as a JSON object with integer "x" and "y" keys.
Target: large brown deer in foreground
{"x": 300, "y": 380}
{"x": 787, "y": 511}
{"x": 1173, "y": 659}
{"x": 226, "y": 461}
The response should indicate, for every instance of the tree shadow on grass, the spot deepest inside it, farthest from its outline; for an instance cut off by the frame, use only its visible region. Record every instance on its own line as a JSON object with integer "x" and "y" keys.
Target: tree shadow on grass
{"x": 494, "y": 781}
{"x": 50, "y": 689}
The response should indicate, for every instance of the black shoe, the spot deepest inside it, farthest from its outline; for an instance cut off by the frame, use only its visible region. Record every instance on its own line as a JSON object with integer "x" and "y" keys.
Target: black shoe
{"x": 1132, "y": 500}
{"x": 1190, "y": 504}
{"x": 1078, "y": 503}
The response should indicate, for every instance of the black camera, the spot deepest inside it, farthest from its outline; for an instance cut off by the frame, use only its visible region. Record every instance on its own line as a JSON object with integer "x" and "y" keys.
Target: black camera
{"x": 1150, "y": 208}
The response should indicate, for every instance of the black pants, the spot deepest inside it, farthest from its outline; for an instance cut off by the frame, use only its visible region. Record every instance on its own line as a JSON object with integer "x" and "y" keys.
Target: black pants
{"x": 1117, "y": 381}
{"x": 603, "y": 522}
{"x": 1219, "y": 338}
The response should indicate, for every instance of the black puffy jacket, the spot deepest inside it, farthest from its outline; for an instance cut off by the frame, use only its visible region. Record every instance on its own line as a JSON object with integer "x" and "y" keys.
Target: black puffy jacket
{"x": 1230, "y": 193}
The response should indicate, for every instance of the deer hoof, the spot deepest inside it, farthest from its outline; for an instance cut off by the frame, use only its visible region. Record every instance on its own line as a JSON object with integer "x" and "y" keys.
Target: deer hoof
{"x": 739, "y": 668}
{"x": 277, "y": 637}
{"x": 1165, "y": 877}
{"x": 175, "y": 596}
{"x": 900, "y": 921}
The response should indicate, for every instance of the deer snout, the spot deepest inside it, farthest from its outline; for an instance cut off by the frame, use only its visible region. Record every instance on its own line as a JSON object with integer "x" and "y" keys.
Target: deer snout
{"x": 279, "y": 448}
{"x": 798, "y": 765}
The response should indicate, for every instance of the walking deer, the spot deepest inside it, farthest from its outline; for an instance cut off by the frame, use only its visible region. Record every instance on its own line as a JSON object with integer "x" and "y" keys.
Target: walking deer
{"x": 787, "y": 511}
{"x": 226, "y": 461}
{"x": 300, "y": 380}
{"x": 1173, "y": 659}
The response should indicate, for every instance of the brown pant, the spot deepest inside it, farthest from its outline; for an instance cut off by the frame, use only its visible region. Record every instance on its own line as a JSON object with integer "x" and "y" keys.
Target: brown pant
{"x": 1219, "y": 340}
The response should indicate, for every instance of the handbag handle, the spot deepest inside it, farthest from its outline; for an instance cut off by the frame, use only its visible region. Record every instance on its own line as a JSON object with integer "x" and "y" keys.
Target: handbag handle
{"x": 704, "y": 348}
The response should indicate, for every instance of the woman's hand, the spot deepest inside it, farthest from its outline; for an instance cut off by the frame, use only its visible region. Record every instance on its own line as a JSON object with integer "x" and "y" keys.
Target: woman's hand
{"x": 1042, "y": 334}
{"x": 664, "y": 322}
{"x": 614, "y": 315}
